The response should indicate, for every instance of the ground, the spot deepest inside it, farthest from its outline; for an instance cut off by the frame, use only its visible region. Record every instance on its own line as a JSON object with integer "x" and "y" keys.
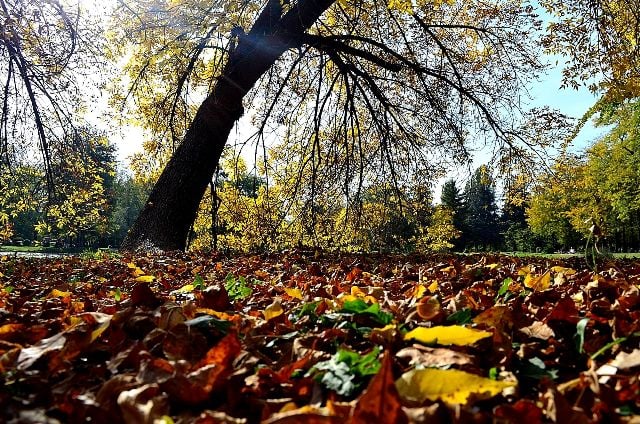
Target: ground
{"x": 323, "y": 338}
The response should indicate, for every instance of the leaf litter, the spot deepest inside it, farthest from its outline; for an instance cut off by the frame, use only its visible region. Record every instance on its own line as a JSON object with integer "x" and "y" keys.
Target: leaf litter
{"x": 319, "y": 338}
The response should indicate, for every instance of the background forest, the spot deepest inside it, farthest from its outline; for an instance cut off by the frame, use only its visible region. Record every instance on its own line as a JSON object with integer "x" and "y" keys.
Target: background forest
{"x": 302, "y": 180}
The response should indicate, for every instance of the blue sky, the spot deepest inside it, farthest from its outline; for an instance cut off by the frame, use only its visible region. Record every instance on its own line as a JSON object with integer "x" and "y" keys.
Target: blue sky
{"x": 574, "y": 103}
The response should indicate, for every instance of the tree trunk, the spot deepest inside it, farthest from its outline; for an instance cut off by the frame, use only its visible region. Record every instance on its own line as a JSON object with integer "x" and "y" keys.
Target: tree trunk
{"x": 173, "y": 203}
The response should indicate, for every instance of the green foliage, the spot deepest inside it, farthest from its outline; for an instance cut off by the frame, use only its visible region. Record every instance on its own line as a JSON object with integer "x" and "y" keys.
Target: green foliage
{"x": 346, "y": 371}
{"x": 595, "y": 196}
{"x": 360, "y": 307}
{"x": 237, "y": 288}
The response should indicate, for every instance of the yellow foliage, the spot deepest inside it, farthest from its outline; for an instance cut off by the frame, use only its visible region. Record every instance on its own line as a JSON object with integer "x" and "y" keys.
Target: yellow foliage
{"x": 404, "y": 6}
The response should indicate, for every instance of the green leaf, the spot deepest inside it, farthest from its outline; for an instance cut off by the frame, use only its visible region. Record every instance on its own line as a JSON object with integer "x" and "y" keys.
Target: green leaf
{"x": 462, "y": 316}
{"x": 237, "y": 287}
{"x": 360, "y": 307}
{"x": 198, "y": 282}
{"x": 117, "y": 294}
{"x": 9, "y": 289}
{"x": 537, "y": 369}
{"x": 207, "y": 322}
{"x": 346, "y": 371}
{"x": 580, "y": 328}
{"x": 504, "y": 288}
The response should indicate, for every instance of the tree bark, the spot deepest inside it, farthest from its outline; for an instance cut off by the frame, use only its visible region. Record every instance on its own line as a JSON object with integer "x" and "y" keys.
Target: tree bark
{"x": 173, "y": 203}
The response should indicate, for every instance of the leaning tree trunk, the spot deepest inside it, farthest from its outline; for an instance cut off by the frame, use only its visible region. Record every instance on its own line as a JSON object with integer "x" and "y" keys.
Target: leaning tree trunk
{"x": 173, "y": 203}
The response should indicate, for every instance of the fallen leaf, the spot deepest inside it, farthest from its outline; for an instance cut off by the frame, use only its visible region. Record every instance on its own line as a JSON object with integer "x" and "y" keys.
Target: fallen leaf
{"x": 426, "y": 356}
{"x": 145, "y": 404}
{"x": 538, "y": 330}
{"x": 274, "y": 310}
{"x": 59, "y": 293}
{"x": 447, "y": 335}
{"x": 28, "y": 356}
{"x": 428, "y": 308}
{"x": 450, "y": 386}
{"x": 294, "y": 293}
{"x": 380, "y": 402}
{"x": 538, "y": 283}
{"x": 145, "y": 278}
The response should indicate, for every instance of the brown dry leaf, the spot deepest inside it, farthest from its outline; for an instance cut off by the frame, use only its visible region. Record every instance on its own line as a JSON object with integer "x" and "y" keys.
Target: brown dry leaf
{"x": 380, "y": 403}
{"x": 306, "y": 414}
{"x": 224, "y": 352}
{"x": 433, "y": 357}
{"x": 9, "y": 331}
{"x": 499, "y": 316}
{"x": 144, "y": 405}
{"x": 538, "y": 330}
{"x": 28, "y": 356}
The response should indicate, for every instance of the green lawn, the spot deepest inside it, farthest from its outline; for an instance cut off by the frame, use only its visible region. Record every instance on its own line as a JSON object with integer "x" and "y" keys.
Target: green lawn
{"x": 33, "y": 249}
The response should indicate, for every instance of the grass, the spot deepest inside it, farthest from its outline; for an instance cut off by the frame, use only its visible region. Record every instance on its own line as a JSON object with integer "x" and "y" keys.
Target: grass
{"x": 627, "y": 255}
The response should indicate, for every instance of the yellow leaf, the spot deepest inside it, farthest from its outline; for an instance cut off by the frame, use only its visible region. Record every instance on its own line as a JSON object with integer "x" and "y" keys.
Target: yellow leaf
{"x": 492, "y": 266}
{"x": 59, "y": 293}
{"x": 418, "y": 291}
{"x": 433, "y": 286}
{"x": 293, "y": 292}
{"x": 386, "y": 333}
{"x": 447, "y": 335}
{"x": 131, "y": 265}
{"x": 525, "y": 270}
{"x": 145, "y": 278}
{"x": 273, "y": 310}
{"x": 357, "y": 291}
{"x": 565, "y": 271}
{"x": 187, "y": 288}
{"x": 450, "y": 386}
{"x": 137, "y": 272}
{"x": 538, "y": 283}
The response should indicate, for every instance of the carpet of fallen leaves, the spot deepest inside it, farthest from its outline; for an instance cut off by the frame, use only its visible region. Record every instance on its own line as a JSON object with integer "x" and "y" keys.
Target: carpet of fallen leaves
{"x": 318, "y": 338}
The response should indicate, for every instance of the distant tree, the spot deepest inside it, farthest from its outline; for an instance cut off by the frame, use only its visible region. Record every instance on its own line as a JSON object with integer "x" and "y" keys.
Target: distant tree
{"x": 452, "y": 198}
{"x": 84, "y": 175}
{"x": 563, "y": 203}
{"x": 129, "y": 195}
{"x": 481, "y": 211}
{"x": 515, "y": 231}
{"x": 441, "y": 233}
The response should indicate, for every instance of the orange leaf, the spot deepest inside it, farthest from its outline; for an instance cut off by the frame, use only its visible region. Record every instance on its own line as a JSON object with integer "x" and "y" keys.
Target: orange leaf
{"x": 224, "y": 352}
{"x": 380, "y": 402}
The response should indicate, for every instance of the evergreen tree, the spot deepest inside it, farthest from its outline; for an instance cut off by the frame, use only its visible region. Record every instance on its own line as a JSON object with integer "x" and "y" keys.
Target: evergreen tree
{"x": 481, "y": 217}
{"x": 452, "y": 199}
